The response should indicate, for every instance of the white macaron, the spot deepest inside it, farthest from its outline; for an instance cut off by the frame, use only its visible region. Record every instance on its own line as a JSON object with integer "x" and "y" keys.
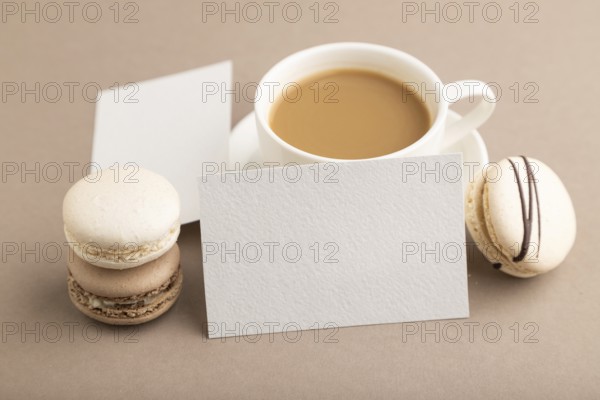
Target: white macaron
{"x": 122, "y": 217}
{"x": 521, "y": 216}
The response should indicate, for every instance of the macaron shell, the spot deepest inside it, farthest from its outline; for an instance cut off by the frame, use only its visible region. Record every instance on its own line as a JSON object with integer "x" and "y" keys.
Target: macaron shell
{"x": 121, "y": 206}
{"x": 127, "y": 282}
{"x": 162, "y": 304}
{"x": 475, "y": 211}
{"x": 504, "y": 215}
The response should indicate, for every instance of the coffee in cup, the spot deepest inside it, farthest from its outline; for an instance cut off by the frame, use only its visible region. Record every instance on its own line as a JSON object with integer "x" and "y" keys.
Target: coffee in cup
{"x": 349, "y": 113}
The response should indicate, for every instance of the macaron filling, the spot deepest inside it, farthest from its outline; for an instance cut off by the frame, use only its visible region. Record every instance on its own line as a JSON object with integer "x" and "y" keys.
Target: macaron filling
{"x": 123, "y": 253}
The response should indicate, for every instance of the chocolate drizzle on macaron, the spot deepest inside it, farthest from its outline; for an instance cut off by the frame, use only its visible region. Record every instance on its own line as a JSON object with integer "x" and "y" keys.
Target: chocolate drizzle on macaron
{"x": 527, "y": 208}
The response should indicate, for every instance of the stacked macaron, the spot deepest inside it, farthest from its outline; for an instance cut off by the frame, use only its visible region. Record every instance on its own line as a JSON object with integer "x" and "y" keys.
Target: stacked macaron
{"x": 521, "y": 217}
{"x": 122, "y": 228}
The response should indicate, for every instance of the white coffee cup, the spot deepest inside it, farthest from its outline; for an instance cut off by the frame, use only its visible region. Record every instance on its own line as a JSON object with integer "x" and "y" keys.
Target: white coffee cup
{"x": 385, "y": 60}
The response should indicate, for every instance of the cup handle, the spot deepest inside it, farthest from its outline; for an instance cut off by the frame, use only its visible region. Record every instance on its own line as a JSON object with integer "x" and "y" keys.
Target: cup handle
{"x": 474, "y": 118}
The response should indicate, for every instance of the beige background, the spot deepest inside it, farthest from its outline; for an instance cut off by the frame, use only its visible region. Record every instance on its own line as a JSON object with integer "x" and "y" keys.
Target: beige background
{"x": 171, "y": 357}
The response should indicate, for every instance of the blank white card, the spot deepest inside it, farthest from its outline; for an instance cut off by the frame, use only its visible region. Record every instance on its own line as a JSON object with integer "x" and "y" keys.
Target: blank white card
{"x": 332, "y": 245}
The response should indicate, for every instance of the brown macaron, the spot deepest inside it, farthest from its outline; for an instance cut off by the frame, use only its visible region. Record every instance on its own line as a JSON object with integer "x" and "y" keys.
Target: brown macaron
{"x": 129, "y": 296}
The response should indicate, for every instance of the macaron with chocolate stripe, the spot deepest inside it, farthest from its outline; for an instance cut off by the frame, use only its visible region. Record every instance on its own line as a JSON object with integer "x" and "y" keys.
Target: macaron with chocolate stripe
{"x": 521, "y": 216}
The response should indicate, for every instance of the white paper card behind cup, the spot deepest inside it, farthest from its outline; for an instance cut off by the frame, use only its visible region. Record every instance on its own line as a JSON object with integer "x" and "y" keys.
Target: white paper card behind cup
{"x": 346, "y": 244}
{"x": 168, "y": 125}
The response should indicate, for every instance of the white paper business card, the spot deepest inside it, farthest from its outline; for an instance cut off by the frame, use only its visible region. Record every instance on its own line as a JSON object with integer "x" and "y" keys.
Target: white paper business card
{"x": 331, "y": 245}
{"x": 168, "y": 125}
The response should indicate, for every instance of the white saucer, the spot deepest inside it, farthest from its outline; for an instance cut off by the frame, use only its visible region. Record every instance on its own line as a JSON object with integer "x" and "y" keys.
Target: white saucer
{"x": 244, "y": 147}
